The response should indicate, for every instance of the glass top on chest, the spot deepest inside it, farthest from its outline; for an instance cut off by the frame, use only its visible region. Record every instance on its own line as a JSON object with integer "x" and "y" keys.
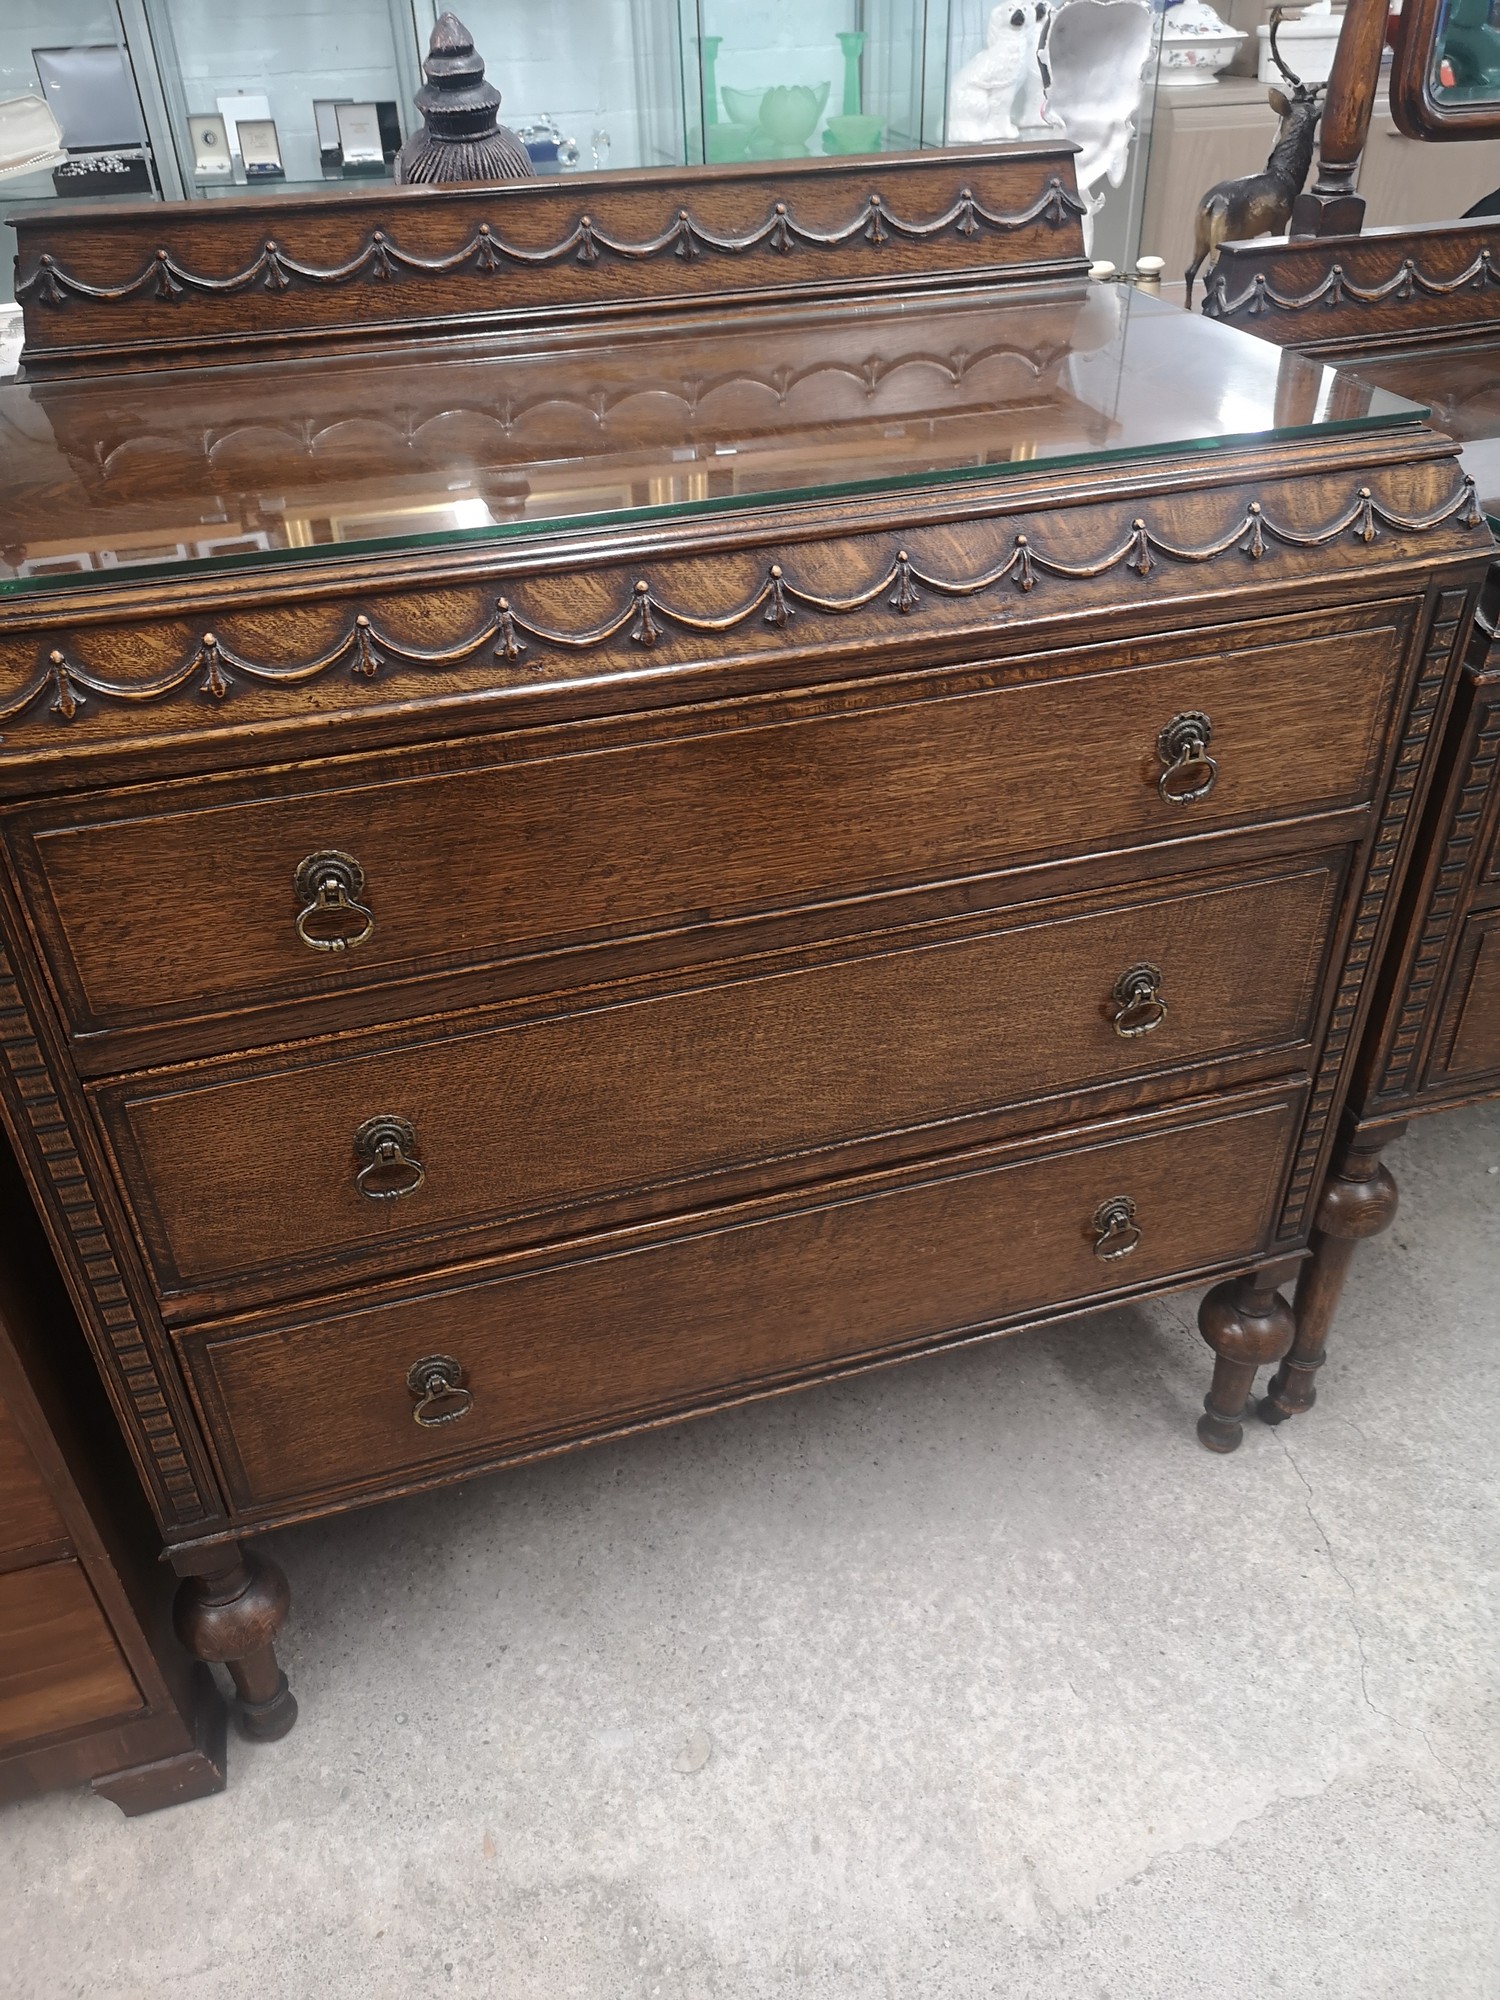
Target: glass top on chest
{"x": 1460, "y": 384}
{"x": 498, "y": 439}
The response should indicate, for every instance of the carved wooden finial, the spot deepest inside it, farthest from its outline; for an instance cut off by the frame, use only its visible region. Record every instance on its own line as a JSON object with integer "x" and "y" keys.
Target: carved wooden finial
{"x": 460, "y": 139}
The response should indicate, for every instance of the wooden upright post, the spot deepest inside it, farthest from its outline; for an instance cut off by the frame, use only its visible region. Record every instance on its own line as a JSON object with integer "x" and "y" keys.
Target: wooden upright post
{"x": 1331, "y": 207}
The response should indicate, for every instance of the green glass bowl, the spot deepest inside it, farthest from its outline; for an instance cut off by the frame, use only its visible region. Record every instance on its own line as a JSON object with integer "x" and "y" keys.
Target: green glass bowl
{"x": 729, "y": 142}
{"x": 854, "y": 132}
{"x": 789, "y": 112}
{"x": 743, "y": 106}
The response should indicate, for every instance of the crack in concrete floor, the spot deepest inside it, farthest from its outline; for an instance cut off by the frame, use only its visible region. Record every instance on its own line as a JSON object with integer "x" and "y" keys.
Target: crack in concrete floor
{"x": 1394, "y": 1721}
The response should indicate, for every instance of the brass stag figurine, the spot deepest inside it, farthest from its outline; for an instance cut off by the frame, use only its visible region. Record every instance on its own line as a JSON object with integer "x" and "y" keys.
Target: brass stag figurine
{"x": 1261, "y": 204}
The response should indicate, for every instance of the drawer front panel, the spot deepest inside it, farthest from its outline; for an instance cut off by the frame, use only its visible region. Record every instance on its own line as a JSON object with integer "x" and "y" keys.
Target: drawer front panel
{"x": 742, "y": 1304}
{"x": 28, "y": 1518}
{"x": 151, "y": 916}
{"x": 59, "y": 1665}
{"x": 1469, "y": 1038}
{"x": 1485, "y": 728}
{"x": 234, "y": 1167}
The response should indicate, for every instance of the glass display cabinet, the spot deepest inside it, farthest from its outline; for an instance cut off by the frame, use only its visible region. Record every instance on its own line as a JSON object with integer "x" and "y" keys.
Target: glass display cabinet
{"x": 1413, "y": 308}
{"x": 833, "y": 76}
{"x": 186, "y": 99}
{"x": 81, "y": 58}
{"x": 293, "y": 67}
{"x": 587, "y": 84}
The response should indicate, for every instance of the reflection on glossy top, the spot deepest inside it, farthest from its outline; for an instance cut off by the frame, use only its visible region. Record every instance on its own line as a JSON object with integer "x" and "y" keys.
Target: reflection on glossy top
{"x": 1461, "y": 387}
{"x": 1466, "y": 54}
{"x": 444, "y": 443}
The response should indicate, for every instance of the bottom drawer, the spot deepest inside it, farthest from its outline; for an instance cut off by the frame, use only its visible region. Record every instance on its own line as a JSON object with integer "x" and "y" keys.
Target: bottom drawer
{"x": 59, "y": 1665}
{"x": 658, "y": 1320}
{"x": 1469, "y": 1039}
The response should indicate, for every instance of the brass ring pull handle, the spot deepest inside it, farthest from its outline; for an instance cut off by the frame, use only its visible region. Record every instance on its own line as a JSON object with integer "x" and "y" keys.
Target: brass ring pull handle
{"x": 437, "y": 1383}
{"x": 1183, "y": 748}
{"x": 1139, "y": 1007}
{"x": 332, "y": 917}
{"x": 388, "y": 1147}
{"x": 1115, "y": 1231}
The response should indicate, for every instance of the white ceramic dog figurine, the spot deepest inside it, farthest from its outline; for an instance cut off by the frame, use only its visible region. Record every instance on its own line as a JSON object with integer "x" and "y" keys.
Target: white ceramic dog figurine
{"x": 982, "y": 102}
{"x": 1031, "y": 114}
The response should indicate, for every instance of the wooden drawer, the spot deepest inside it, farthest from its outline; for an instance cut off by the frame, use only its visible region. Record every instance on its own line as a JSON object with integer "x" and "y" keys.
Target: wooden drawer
{"x": 59, "y": 1664}
{"x": 176, "y": 903}
{"x": 742, "y": 1301}
{"x": 245, "y": 1177}
{"x": 28, "y": 1519}
{"x": 1468, "y": 1041}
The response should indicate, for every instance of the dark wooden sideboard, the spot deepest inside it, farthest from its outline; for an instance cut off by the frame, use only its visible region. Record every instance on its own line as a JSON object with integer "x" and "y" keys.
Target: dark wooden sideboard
{"x": 1418, "y": 311}
{"x": 618, "y": 811}
{"x": 93, "y": 1682}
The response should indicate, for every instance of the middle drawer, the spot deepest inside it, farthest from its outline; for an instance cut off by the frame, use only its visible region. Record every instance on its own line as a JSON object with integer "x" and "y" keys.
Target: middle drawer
{"x": 264, "y": 1179}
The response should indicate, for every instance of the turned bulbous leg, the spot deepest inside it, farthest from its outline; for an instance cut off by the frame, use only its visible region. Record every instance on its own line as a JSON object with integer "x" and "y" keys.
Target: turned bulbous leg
{"x": 1248, "y": 1324}
{"x": 231, "y": 1614}
{"x": 1359, "y": 1201}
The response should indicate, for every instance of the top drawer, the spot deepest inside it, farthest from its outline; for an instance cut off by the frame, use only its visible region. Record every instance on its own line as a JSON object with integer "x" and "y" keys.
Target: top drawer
{"x": 184, "y": 903}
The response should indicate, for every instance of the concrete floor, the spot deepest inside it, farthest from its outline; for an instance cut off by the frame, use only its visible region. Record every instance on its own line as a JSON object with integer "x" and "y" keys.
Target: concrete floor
{"x": 974, "y": 1678}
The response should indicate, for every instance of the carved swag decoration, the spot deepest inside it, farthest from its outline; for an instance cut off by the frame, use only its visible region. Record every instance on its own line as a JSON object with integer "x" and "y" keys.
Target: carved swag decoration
{"x": 778, "y": 599}
{"x": 487, "y": 250}
{"x": 1261, "y": 296}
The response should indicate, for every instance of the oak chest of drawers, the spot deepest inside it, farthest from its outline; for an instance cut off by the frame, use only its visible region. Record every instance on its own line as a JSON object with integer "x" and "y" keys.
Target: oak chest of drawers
{"x": 1410, "y": 320}
{"x": 93, "y": 1684}
{"x": 807, "y": 788}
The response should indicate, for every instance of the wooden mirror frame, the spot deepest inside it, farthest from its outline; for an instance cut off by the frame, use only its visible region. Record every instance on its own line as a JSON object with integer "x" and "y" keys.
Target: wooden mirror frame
{"x": 1416, "y": 108}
